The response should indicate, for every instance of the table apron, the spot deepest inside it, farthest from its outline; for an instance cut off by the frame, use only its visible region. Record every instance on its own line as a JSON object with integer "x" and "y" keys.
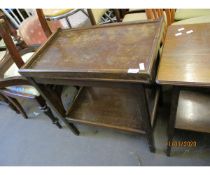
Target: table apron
{"x": 95, "y": 83}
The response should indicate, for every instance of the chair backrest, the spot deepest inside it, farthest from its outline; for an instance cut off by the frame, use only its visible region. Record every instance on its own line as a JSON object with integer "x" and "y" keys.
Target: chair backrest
{"x": 10, "y": 44}
{"x": 157, "y": 13}
{"x": 32, "y": 26}
{"x": 167, "y": 14}
{"x": 4, "y": 32}
{"x": 17, "y": 16}
{"x": 98, "y": 13}
{"x": 43, "y": 22}
{"x": 12, "y": 28}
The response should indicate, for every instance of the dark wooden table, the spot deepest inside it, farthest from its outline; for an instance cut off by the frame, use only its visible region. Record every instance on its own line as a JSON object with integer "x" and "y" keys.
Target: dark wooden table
{"x": 115, "y": 67}
{"x": 185, "y": 64}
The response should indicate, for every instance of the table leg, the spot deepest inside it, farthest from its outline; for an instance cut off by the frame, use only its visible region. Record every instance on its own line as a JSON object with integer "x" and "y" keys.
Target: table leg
{"x": 161, "y": 100}
{"x": 54, "y": 104}
{"x": 43, "y": 107}
{"x": 146, "y": 116}
{"x": 172, "y": 119}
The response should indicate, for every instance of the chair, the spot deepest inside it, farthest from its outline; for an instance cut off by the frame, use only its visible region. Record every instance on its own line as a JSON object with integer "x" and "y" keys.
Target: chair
{"x": 96, "y": 16}
{"x": 6, "y": 101}
{"x": 57, "y": 14}
{"x": 12, "y": 85}
{"x": 133, "y": 15}
{"x": 12, "y": 31}
{"x": 182, "y": 14}
{"x": 40, "y": 27}
{"x": 170, "y": 15}
{"x": 28, "y": 23}
{"x": 5, "y": 61}
{"x": 151, "y": 14}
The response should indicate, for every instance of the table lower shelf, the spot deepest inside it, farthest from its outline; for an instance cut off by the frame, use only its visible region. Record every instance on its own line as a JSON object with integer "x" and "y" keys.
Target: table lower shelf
{"x": 107, "y": 107}
{"x": 193, "y": 112}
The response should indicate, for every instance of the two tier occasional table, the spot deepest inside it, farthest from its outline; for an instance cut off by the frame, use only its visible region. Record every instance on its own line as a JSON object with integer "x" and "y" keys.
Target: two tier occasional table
{"x": 115, "y": 67}
{"x": 185, "y": 64}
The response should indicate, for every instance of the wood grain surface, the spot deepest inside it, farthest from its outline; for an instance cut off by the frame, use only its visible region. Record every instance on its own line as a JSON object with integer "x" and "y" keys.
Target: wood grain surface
{"x": 186, "y": 56}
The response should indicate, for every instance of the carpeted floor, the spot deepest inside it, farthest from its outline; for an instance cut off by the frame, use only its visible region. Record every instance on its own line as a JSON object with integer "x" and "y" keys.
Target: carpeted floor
{"x": 35, "y": 141}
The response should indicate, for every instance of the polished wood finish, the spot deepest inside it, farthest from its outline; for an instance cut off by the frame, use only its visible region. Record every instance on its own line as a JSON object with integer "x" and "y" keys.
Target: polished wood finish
{"x": 193, "y": 112}
{"x": 104, "y": 52}
{"x": 185, "y": 58}
{"x": 97, "y": 59}
{"x": 189, "y": 111}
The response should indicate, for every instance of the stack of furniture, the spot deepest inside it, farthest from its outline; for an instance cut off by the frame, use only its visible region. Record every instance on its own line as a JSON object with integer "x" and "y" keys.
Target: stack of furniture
{"x": 116, "y": 71}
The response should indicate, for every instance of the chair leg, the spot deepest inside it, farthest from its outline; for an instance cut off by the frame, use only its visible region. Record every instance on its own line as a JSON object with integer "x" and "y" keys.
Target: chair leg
{"x": 17, "y": 106}
{"x": 91, "y": 17}
{"x": 47, "y": 111}
{"x": 172, "y": 120}
{"x": 9, "y": 104}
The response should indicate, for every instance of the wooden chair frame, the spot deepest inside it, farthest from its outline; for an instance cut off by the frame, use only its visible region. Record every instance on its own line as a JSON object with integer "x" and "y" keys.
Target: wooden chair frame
{"x": 10, "y": 96}
{"x": 157, "y": 13}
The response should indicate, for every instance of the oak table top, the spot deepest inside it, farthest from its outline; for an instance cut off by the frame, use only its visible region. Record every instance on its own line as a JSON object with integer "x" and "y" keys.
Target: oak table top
{"x": 122, "y": 51}
{"x": 186, "y": 56}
